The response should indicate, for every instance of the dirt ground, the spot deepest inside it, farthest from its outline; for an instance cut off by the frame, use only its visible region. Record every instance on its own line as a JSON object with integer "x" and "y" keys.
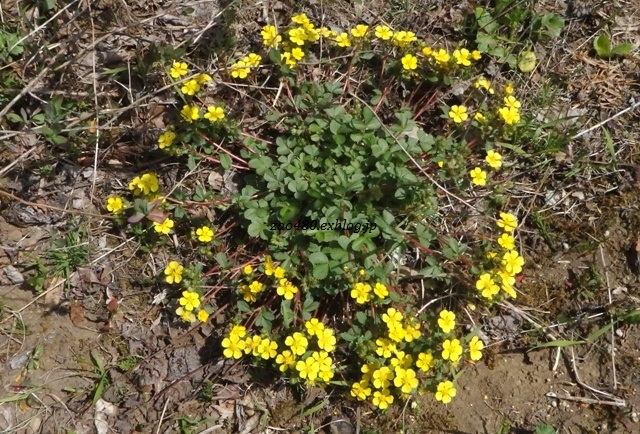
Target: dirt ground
{"x": 71, "y": 363}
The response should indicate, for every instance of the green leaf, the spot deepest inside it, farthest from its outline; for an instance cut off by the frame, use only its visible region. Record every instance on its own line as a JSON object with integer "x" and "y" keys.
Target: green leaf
{"x": 243, "y": 306}
{"x": 287, "y": 313}
{"x": 622, "y": 49}
{"x": 595, "y": 335}
{"x": 609, "y": 143}
{"x": 225, "y": 161}
{"x": 361, "y": 317}
{"x": 527, "y": 61}
{"x": 553, "y": 23}
{"x": 602, "y": 44}
{"x": 545, "y": 429}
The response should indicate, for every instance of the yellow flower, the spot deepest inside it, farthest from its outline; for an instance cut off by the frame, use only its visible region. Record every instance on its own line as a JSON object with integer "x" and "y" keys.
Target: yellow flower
{"x": 361, "y": 292}
{"x": 256, "y": 287}
{"x": 507, "y": 222}
{"x": 380, "y": 290}
{"x": 326, "y": 33}
{"x": 247, "y": 295}
{"x": 427, "y": 51}
{"x": 326, "y": 340}
{"x": 286, "y": 289}
{"x": 479, "y": 117}
{"x": 247, "y": 270}
{"x": 115, "y": 204}
{"x": 445, "y": 392}
{"x": 343, "y": 40}
{"x": 382, "y": 377}
{"x": 405, "y": 380}
{"x": 189, "y": 300}
{"x": 512, "y": 262}
{"x": 403, "y": 38}
{"x": 252, "y": 59}
{"x": 203, "y": 316}
{"x": 484, "y": 83}
{"x": 178, "y": 69}
{"x": 507, "y": 242}
{"x": 166, "y": 139}
{"x": 270, "y": 36}
{"x": 424, "y": 362}
{"x": 487, "y": 285}
{"x": 190, "y": 87}
{"x": 396, "y": 332}
{"x": 447, "y": 321}
{"x": 147, "y": 183}
{"x": 185, "y": 315}
{"x": 301, "y": 19}
{"x": 510, "y": 116}
{"x": 508, "y": 89}
{"x": 286, "y": 360}
{"x": 511, "y": 102}
{"x": 383, "y": 32}
{"x": 493, "y": 159}
{"x": 308, "y": 369}
{"x": 288, "y": 59}
{"x": 382, "y": 399}
{"x": 233, "y": 347}
{"x": 173, "y": 271}
{"x": 205, "y": 234}
{"x": 203, "y": 78}
{"x": 189, "y": 113}
{"x": 269, "y": 269}
{"x": 411, "y": 332}
{"x": 298, "y": 35}
{"x": 478, "y": 176}
{"x": 238, "y": 330}
{"x": 508, "y": 288}
{"x": 240, "y": 69}
{"x": 314, "y": 327}
{"x": 164, "y": 227}
{"x": 279, "y": 273}
{"x": 475, "y": 348}
{"x": 409, "y": 62}
{"x": 359, "y": 31}
{"x": 451, "y": 350}
{"x": 214, "y": 113}
{"x": 458, "y": 113}
{"x": 476, "y": 55}
{"x": 252, "y": 345}
{"x": 361, "y": 390}
{"x": 463, "y": 57}
{"x": 312, "y": 34}
{"x": 385, "y": 348}
{"x": 441, "y": 56}
{"x": 267, "y": 349}
{"x": 297, "y": 53}
{"x": 297, "y": 342}
{"x": 392, "y": 317}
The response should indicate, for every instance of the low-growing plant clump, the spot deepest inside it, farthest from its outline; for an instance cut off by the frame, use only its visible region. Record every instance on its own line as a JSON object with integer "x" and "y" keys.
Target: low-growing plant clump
{"x": 362, "y": 155}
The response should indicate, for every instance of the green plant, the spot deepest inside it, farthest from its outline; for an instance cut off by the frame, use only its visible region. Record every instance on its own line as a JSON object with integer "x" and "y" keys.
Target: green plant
{"x": 603, "y": 47}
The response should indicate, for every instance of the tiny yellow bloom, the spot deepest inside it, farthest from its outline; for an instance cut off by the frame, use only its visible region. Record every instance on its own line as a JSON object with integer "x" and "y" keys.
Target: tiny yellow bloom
{"x": 476, "y": 55}
{"x": 189, "y": 113}
{"x": 203, "y": 316}
{"x": 298, "y": 35}
{"x": 297, "y": 53}
{"x": 240, "y": 69}
{"x": 380, "y": 290}
{"x": 343, "y": 40}
{"x": 511, "y": 102}
{"x": 509, "y": 115}
{"x": 359, "y": 31}
{"x": 173, "y": 271}
{"x": 383, "y": 32}
{"x": 205, "y": 234}
{"x": 479, "y": 117}
{"x": 458, "y": 113}
{"x": 487, "y": 285}
{"x": 463, "y": 57}
{"x": 403, "y": 38}
{"x": 508, "y": 89}
{"x": 493, "y": 159}
{"x": 166, "y": 139}
{"x": 427, "y": 51}
{"x": 382, "y": 399}
{"x": 270, "y": 36}
{"x": 178, "y": 69}
{"x": 507, "y": 221}
{"x": 478, "y": 176}
{"x": 451, "y": 350}
{"x": 507, "y": 242}
{"x": 252, "y": 59}
{"x": 214, "y": 114}
{"x": 409, "y": 62}
{"x": 445, "y": 392}
{"x": 203, "y": 78}
{"x": 447, "y": 321}
{"x": 441, "y": 56}
{"x": 512, "y": 262}
{"x": 286, "y": 289}
{"x": 424, "y": 362}
{"x": 233, "y": 347}
{"x": 301, "y": 19}
{"x": 185, "y": 315}
{"x": 164, "y": 227}
{"x": 247, "y": 270}
{"x": 484, "y": 83}
{"x": 189, "y": 300}
{"x": 190, "y": 87}
{"x": 475, "y": 348}
{"x": 115, "y": 204}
